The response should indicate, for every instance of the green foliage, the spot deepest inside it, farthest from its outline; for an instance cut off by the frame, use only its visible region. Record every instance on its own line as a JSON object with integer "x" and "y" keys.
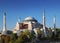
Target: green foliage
{"x": 38, "y": 34}
{"x": 38, "y": 31}
{"x": 13, "y": 38}
{"x": 2, "y": 40}
{"x": 24, "y": 37}
{"x": 28, "y": 34}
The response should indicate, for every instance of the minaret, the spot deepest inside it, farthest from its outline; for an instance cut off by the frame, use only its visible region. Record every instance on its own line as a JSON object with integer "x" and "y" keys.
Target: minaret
{"x": 18, "y": 24}
{"x": 55, "y": 25}
{"x": 4, "y": 22}
{"x": 19, "y": 19}
{"x": 44, "y": 30}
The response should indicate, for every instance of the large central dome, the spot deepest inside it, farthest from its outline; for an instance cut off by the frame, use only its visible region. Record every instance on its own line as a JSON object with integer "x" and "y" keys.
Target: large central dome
{"x": 30, "y": 19}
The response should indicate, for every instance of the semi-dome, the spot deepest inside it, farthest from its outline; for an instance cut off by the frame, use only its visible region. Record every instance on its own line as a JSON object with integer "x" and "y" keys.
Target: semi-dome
{"x": 30, "y": 19}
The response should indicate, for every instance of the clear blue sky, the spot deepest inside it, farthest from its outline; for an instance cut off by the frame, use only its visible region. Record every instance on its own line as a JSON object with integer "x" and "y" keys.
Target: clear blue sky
{"x": 34, "y": 8}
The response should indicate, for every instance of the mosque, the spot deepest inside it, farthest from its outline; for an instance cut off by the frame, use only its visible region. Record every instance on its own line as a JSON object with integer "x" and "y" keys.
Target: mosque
{"x": 29, "y": 23}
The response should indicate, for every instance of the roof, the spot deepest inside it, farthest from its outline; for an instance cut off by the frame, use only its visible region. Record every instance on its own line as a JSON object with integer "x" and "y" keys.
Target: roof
{"x": 30, "y": 19}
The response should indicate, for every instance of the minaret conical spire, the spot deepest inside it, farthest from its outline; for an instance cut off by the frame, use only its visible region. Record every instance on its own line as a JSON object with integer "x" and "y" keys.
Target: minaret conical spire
{"x": 55, "y": 24}
{"x": 44, "y": 23}
{"x": 44, "y": 17}
{"x": 4, "y": 22}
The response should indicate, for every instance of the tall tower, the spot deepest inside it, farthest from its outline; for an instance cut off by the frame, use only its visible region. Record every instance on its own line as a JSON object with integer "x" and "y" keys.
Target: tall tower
{"x": 19, "y": 19}
{"x": 55, "y": 25}
{"x": 44, "y": 30}
{"x": 18, "y": 24}
{"x": 4, "y": 22}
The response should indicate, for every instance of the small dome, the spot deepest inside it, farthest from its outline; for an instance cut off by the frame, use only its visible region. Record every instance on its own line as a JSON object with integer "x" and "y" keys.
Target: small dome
{"x": 30, "y": 19}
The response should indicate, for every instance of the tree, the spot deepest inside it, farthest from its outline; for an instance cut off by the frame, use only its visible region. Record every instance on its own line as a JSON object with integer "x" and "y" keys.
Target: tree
{"x": 24, "y": 37}
{"x": 38, "y": 34}
{"x": 13, "y": 38}
{"x": 2, "y": 40}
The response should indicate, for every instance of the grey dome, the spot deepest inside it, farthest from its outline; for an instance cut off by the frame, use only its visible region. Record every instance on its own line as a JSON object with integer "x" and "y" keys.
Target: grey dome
{"x": 30, "y": 19}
